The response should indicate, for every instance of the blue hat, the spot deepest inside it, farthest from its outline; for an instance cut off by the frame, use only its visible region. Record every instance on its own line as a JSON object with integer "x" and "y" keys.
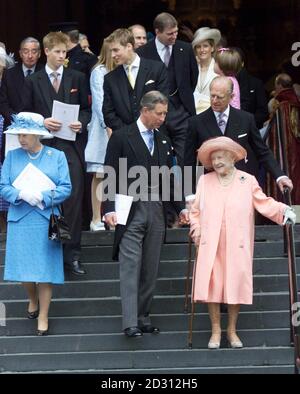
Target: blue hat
{"x": 28, "y": 123}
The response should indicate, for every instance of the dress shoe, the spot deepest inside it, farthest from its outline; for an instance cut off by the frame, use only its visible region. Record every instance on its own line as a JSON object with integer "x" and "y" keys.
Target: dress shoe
{"x": 133, "y": 332}
{"x": 98, "y": 226}
{"x": 214, "y": 342}
{"x": 41, "y": 333}
{"x": 148, "y": 329}
{"x": 235, "y": 342}
{"x": 33, "y": 315}
{"x": 75, "y": 267}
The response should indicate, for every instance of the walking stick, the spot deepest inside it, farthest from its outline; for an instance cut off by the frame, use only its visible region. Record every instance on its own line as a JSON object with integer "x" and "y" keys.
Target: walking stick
{"x": 190, "y": 338}
{"x": 187, "y": 280}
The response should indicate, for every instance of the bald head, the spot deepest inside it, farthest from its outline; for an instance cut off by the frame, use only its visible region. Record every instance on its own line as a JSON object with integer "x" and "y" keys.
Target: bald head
{"x": 223, "y": 82}
{"x": 139, "y": 34}
{"x": 221, "y": 89}
{"x": 283, "y": 81}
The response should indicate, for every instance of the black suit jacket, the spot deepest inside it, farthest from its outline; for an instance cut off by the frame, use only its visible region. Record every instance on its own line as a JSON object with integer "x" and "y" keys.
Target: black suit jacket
{"x": 117, "y": 106}
{"x": 242, "y": 129}
{"x": 37, "y": 98}
{"x": 128, "y": 143}
{"x": 186, "y": 69}
{"x": 11, "y": 91}
{"x": 253, "y": 97}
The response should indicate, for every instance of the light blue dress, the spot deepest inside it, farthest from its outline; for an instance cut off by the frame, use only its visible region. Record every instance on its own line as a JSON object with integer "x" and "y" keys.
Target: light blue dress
{"x": 30, "y": 255}
{"x": 97, "y": 136}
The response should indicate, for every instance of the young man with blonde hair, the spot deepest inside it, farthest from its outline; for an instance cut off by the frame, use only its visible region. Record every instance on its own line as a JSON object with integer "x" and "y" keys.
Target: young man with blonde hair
{"x": 129, "y": 81}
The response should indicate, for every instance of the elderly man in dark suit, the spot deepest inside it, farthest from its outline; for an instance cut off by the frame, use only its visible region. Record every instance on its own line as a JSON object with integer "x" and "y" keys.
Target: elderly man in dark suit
{"x": 13, "y": 78}
{"x": 180, "y": 60}
{"x": 54, "y": 82}
{"x": 137, "y": 244}
{"x": 222, "y": 119}
{"x": 125, "y": 86}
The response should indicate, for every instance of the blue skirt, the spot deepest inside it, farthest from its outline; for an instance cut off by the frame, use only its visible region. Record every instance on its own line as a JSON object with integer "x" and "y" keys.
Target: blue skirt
{"x": 30, "y": 255}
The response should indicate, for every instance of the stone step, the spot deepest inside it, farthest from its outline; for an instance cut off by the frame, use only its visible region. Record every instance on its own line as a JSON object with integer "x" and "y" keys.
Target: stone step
{"x": 175, "y": 251}
{"x": 166, "y": 322}
{"x": 102, "y": 238}
{"x": 119, "y": 342}
{"x": 141, "y": 359}
{"x": 111, "y": 288}
{"x": 172, "y": 269}
{"x": 161, "y": 304}
{"x": 165, "y": 372}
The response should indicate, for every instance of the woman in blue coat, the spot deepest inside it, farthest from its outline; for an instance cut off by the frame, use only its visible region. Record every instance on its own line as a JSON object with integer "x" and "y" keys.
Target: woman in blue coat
{"x": 31, "y": 257}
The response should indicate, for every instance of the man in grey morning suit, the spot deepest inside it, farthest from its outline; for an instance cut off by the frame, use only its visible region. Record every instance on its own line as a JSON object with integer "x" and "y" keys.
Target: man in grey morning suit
{"x": 137, "y": 244}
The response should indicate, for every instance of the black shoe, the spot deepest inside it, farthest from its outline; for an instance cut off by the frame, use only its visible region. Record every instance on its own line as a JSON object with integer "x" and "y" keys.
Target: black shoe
{"x": 132, "y": 332}
{"x": 41, "y": 333}
{"x": 148, "y": 329}
{"x": 75, "y": 267}
{"x": 33, "y": 315}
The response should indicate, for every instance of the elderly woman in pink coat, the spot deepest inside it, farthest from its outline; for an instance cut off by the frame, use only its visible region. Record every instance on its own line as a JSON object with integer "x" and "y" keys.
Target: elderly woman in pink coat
{"x": 222, "y": 226}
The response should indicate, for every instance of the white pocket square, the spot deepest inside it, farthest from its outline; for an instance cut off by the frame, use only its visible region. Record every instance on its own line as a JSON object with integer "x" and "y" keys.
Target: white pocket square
{"x": 164, "y": 141}
{"x": 150, "y": 81}
{"x": 242, "y": 135}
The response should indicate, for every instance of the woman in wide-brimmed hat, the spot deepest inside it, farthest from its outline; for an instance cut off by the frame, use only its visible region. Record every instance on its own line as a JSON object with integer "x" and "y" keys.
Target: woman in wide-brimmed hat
{"x": 30, "y": 256}
{"x": 222, "y": 225}
{"x": 204, "y": 44}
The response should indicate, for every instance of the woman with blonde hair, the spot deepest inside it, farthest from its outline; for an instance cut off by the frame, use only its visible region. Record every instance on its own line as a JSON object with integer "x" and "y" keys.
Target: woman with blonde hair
{"x": 204, "y": 44}
{"x": 98, "y": 133}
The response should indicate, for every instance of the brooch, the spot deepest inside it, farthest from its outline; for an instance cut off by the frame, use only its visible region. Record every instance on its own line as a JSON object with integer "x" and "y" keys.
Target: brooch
{"x": 242, "y": 179}
{"x": 49, "y": 152}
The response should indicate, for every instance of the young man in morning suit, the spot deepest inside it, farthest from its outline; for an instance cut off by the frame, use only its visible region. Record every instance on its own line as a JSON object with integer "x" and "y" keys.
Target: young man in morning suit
{"x": 222, "y": 119}
{"x": 54, "y": 82}
{"x": 180, "y": 60}
{"x": 137, "y": 244}
{"x": 125, "y": 85}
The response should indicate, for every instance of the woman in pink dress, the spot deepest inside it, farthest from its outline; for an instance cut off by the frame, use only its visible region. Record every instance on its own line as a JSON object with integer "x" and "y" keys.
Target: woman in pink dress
{"x": 222, "y": 226}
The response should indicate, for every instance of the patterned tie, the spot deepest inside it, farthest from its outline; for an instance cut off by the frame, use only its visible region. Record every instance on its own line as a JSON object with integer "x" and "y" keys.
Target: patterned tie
{"x": 55, "y": 82}
{"x": 167, "y": 55}
{"x": 130, "y": 76}
{"x": 221, "y": 122}
{"x": 149, "y": 139}
{"x": 28, "y": 72}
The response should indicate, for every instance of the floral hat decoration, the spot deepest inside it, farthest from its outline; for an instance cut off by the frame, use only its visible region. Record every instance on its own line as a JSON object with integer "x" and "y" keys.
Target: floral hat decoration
{"x": 28, "y": 123}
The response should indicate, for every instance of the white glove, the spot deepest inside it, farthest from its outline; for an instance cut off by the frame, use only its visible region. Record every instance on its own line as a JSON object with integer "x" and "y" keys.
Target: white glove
{"x": 31, "y": 197}
{"x": 289, "y": 214}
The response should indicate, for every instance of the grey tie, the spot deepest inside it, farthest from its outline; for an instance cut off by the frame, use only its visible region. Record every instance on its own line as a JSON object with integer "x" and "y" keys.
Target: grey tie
{"x": 55, "y": 81}
{"x": 221, "y": 122}
{"x": 167, "y": 55}
{"x": 150, "y": 139}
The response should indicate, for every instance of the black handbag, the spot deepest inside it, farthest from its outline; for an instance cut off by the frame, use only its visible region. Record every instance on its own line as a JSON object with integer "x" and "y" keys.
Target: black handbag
{"x": 59, "y": 229}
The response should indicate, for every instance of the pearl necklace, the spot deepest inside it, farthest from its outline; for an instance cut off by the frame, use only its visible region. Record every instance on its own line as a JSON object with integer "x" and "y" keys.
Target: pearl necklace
{"x": 225, "y": 181}
{"x": 36, "y": 156}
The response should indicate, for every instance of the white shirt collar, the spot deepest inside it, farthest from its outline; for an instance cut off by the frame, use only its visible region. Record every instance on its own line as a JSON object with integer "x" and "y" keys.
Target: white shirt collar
{"x": 160, "y": 46}
{"x": 25, "y": 69}
{"x": 135, "y": 63}
{"x": 49, "y": 70}
{"x": 226, "y": 112}
{"x": 142, "y": 128}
